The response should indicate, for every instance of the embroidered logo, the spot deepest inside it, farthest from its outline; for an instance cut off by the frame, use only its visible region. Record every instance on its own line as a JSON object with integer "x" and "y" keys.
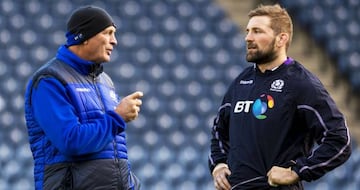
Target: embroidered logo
{"x": 246, "y": 81}
{"x": 78, "y": 37}
{"x": 82, "y": 89}
{"x": 113, "y": 95}
{"x": 277, "y": 85}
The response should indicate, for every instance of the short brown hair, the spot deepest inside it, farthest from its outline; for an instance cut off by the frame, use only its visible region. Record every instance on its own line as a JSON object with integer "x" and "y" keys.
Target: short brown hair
{"x": 280, "y": 21}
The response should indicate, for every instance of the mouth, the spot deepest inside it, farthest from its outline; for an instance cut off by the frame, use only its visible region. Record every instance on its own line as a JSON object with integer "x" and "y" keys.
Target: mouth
{"x": 108, "y": 51}
{"x": 251, "y": 46}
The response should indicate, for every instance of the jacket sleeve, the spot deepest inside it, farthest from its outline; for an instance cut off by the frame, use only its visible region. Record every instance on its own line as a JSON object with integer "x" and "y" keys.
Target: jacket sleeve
{"x": 56, "y": 116}
{"x": 220, "y": 136}
{"x": 328, "y": 126}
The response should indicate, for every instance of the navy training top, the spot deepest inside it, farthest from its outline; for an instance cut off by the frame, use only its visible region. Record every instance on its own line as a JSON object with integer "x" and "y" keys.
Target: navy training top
{"x": 274, "y": 119}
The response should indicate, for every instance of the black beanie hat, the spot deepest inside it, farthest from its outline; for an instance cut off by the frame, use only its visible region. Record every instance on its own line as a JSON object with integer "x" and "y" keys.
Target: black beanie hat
{"x": 86, "y": 22}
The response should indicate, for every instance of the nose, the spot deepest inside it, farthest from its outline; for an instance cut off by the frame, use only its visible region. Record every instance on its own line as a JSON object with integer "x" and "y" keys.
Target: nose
{"x": 113, "y": 40}
{"x": 248, "y": 37}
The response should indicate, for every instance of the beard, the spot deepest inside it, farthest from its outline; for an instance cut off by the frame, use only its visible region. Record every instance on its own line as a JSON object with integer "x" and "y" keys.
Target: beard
{"x": 262, "y": 56}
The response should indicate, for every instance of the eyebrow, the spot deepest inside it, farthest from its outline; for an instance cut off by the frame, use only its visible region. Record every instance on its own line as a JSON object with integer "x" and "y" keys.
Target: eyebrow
{"x": 254, "y": 28}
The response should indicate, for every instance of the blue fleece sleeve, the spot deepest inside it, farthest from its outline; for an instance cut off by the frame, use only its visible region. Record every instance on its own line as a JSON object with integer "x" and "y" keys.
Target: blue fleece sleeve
{"x": 56, "y": 116}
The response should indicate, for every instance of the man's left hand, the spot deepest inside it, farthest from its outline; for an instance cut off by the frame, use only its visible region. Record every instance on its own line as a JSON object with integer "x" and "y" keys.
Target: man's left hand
{"x": 282, "y": 176}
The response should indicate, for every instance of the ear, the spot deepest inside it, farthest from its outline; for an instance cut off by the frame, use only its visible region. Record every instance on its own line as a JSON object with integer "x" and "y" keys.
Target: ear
{"x": 282, "y": 39}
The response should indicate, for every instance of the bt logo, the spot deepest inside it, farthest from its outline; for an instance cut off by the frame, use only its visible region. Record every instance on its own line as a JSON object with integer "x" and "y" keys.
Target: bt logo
{"x": 259, "y": 106}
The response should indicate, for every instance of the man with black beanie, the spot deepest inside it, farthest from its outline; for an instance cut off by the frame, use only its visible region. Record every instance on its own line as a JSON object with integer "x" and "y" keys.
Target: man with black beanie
{"x": 76, "y": 122}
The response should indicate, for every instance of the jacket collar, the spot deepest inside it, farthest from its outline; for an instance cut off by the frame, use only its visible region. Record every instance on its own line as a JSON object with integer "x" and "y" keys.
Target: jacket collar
{"x": 288, "y": 61}
{"x": 82, "y": 66}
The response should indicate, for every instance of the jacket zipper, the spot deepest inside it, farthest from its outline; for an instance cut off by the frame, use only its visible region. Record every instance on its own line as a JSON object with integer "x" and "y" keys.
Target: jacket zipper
{"x": 103, "y": 108}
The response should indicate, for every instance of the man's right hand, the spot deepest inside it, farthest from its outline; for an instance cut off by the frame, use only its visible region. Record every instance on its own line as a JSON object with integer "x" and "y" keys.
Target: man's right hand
{"x": 220, "y": 173}
{"x": 129, "y": 106}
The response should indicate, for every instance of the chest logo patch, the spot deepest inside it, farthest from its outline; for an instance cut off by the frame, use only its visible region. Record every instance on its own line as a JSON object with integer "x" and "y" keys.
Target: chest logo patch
{"x": 113, "y": 95}
{"x": 277, "y": 85}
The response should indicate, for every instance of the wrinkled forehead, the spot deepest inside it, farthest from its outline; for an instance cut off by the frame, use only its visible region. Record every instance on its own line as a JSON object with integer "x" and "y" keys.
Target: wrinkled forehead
{"x": 110, "y": 29}
{"x": 261, "y": 22}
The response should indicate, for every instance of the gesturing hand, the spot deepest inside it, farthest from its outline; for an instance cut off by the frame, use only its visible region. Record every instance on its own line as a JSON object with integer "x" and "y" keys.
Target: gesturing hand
{"x": 129, "y": 106}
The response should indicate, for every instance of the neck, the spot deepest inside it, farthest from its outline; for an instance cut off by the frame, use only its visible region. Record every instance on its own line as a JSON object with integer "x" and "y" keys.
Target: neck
{"x": 272, "y": 64}
{"x": 78, "y": 50}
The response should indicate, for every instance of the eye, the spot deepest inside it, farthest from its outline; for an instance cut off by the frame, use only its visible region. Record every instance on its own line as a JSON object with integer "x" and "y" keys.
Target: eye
{"x": 257, "y": 31}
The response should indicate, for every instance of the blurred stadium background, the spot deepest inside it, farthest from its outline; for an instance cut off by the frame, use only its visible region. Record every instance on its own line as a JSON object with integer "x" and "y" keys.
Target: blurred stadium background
{"x": 183, "y": 55}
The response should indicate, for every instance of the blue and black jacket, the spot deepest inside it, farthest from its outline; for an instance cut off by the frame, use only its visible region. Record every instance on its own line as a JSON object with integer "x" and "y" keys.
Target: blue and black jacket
{"x": 77, "y": 139}
{"x": 276, "y": 118}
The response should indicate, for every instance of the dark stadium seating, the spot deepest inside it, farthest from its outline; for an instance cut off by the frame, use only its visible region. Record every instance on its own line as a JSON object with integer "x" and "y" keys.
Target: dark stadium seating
{"x": 335, "y": 25}
{"x": 181, "y": 53}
